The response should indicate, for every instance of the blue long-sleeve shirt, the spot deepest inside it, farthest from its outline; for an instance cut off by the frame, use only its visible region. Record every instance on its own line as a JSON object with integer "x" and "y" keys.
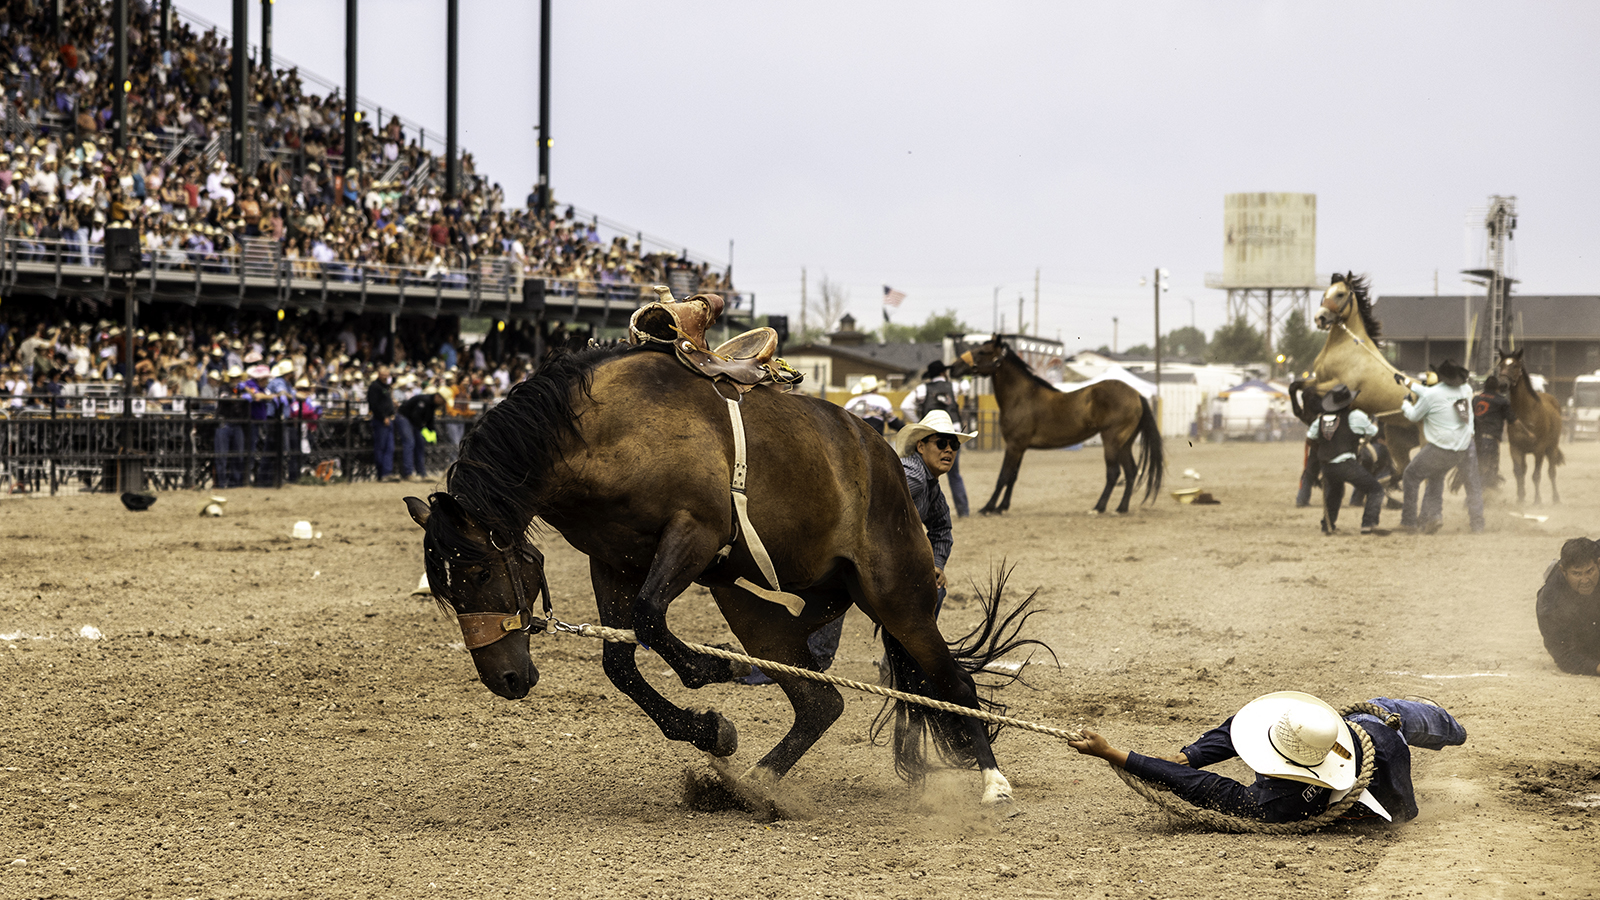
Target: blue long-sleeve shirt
{"x": 931, "y": 506}
{"x": 1280, "y": 799}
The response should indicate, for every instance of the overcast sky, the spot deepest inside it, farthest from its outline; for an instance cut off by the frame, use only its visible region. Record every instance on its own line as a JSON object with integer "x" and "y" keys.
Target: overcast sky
{"x": 948, "y": 149}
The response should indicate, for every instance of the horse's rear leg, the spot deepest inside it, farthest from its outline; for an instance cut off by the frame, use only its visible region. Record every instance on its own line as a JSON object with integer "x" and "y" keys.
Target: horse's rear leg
{"x": 707, "y": 731}
{"x": 768, "y": 631}
{"x": 1111, "y": 482}
{"x": 1130, "y": 473}
{"x": 904, "y": 607}
{"x": 1555, "y": 496}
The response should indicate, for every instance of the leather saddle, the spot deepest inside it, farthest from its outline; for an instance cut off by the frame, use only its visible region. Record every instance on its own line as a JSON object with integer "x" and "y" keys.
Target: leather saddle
{"x": 744, "y": 361}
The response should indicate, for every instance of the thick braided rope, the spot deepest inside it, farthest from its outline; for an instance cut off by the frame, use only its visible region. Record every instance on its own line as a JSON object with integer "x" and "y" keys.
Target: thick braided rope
{"x": 1220, "y": 821}
{"x": 623, "y": 636}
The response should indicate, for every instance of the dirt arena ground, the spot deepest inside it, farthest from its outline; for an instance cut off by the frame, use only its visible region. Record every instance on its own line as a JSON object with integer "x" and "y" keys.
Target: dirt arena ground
{"x": 268, "y": 717}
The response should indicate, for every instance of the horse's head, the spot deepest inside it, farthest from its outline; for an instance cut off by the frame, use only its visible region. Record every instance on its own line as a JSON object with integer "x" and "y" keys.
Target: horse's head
{"x": 1511, "y": 369}
{"x": 1345, "y": 298}
{"x": 983, "y": 359}
{"x": 488, "y": 582}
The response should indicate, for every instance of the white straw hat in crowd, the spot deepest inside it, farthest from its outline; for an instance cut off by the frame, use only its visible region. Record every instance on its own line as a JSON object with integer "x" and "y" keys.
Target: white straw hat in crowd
{"x": 866, "y": 385}
{"x": 936, "y": 422}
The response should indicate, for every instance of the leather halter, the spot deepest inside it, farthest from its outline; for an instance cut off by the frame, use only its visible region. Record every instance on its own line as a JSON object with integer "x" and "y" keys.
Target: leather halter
{"x": 484, "y": 628}
{"x": 968, "y": 358}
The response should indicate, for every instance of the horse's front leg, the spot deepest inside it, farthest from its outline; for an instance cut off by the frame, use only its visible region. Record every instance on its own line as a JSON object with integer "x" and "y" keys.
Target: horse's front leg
{"x": 1008, "y": 474}
{"x": 1519, "y": 466}
{"x": 1538, "y": 465}
{"x": 707, "y": 731}
{"x": 685, "y": 549}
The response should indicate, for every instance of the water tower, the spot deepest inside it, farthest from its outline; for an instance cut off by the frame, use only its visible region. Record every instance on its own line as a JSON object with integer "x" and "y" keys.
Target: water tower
{"x": 1269, "y": 258}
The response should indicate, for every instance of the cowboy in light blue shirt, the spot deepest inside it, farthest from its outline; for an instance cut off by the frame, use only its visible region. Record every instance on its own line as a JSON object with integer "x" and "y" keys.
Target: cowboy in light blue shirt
{"x": 1445, "y": 411}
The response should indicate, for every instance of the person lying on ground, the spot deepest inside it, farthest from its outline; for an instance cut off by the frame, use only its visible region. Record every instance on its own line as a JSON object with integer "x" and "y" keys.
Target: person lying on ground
{"x": 1306, "y": 757}
{"x": 1569, "y": 608}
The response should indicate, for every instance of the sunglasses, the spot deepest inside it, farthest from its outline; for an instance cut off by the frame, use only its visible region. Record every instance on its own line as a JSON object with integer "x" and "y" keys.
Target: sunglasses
{"x": 945, "y": 443}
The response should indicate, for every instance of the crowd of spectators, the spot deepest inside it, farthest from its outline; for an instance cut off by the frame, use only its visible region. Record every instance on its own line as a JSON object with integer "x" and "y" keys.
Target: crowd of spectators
{"x": 54, "y": 363}
{"x": 63, "y": 180}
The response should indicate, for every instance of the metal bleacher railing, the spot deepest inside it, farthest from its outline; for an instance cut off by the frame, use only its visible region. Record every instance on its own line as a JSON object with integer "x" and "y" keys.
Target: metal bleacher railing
{"x": 74, "y": 441}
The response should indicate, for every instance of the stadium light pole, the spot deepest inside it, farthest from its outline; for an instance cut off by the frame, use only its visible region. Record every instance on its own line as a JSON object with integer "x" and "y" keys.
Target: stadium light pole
{"x": 166, "y": 22}
{"x": 119, "y": 81}
{"x": 351, "y": 114}
{"x": 545, "y": 140}
{"x": 452, "y": 169}
{"x": 239, "y": 83}
{"x": 266, "y": 36}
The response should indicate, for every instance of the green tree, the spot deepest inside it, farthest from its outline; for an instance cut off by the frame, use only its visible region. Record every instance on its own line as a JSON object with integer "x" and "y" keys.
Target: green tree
{"x": 1184, "y": 342}
{"x": 930, "y": 331}
{"x": 1237, "y": 342}
{"x": 1299, "y": 344}
{"x": 1139, "y": 351}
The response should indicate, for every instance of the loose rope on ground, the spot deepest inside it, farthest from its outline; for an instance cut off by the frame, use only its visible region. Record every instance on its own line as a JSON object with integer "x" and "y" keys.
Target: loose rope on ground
{"x": 1179, "y": 808}
{"x": 624, "y": 636}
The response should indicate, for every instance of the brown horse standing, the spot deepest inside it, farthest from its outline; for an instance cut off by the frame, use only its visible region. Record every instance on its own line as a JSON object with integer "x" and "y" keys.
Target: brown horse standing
{"x": 1034, "y": 414}
{"x": 1537, "y": 429}
{"x": 630, "y": 456}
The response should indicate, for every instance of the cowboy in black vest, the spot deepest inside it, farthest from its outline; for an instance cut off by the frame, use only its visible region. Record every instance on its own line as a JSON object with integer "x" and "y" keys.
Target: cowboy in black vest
{"x": 933, "y": 394}
{"x": 1491, "y": 413}
{"x": 1337, "y": 433}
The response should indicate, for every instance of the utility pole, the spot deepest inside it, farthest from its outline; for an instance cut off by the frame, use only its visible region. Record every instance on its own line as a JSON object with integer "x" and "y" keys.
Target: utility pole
{"x": 997, "y": 310}
{"x": 1272, "y": 365}
{"x": 1035, "y": 301}
{"x": 1020, "y": 330}
{"x": 1160, "y": 285}
{"x": 802, "y": 300}
{"x": 545, "y": 140}
{"x": 1113, "y": 335}
{"x": 1191, "y": 313}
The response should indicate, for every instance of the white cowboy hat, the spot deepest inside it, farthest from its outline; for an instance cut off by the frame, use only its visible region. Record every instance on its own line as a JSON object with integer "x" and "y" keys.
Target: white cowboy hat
{"x": 1289, "y": 734}
{"x": 936, "y": 422}
{"x": 866, "y": 385}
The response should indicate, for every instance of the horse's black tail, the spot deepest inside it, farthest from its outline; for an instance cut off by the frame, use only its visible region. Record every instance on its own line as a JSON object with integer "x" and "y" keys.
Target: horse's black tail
{"x": 995, "y": 635}
{"x": 1152, "y": 459}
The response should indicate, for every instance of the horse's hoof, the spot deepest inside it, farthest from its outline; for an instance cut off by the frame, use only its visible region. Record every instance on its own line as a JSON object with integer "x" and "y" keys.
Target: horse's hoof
{"x": 1097, "y": 511}
{"x": 986, "y": 511}
{"x": 723, "y": 739}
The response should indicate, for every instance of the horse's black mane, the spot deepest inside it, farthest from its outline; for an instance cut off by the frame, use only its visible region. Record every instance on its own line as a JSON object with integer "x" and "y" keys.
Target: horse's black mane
{"x": 505, "y": 460}
{"x": 1357, "y": 284}
{"x": 1012, "y": 356}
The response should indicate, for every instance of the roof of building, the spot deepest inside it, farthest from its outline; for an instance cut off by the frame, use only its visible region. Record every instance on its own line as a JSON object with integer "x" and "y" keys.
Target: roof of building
{"x": 1558, "y": 317}
{"x": 908, "y": 358}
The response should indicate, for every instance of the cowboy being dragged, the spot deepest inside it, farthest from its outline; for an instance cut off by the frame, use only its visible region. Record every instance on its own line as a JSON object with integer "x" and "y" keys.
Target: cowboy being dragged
{"x": 1305, "y": 755}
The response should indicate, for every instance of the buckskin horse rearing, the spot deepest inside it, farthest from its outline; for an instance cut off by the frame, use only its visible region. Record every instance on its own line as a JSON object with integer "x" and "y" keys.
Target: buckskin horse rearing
{"x": 1033, "y": 414}
{"x": 1350, "y": 356}
{"x": 636, "y": 461}
{"x": 1536, "y": 430}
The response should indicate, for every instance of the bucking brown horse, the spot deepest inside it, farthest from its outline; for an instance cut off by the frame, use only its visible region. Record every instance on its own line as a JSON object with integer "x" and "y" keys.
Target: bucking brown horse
{"x": 1537, "y": 429}
{"x": 635, "y": 460}
{"x": 1034, "y": 414}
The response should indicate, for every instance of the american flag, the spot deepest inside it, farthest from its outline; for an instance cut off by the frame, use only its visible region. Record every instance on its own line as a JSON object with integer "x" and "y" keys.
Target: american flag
{"x": 892, "y": 297}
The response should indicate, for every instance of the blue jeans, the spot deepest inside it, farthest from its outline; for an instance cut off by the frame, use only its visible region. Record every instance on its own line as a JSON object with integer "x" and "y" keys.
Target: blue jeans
{"x": 1430, "y": 465}
{"x": 229, "y": 449}
{"x": 383, "y": 447}
{"x": 1425, "y": 726}
{"x": 412, "y": 447}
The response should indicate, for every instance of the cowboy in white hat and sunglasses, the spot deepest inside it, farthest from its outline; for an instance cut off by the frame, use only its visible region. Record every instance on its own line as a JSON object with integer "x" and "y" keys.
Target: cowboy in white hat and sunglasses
{"x": 1305, "y": 756}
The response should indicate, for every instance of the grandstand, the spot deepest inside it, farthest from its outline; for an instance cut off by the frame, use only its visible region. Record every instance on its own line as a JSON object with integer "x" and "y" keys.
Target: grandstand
{"x": 282, "y": 249}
